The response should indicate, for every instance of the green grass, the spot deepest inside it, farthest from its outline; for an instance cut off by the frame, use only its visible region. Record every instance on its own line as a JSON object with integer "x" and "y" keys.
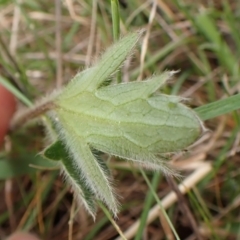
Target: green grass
{"x": 200, "y": 39}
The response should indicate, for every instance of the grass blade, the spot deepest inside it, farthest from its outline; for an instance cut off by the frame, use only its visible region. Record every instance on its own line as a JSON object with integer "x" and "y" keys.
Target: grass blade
{"x": 219, "y": 107}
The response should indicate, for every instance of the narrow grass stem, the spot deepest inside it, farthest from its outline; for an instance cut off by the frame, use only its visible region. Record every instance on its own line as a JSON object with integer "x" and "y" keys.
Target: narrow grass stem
{"x": 112, "y": 221}
{"x": 116, "y": 28}
{"x": 115, "y": 19}
{"x": 160, "y": 205}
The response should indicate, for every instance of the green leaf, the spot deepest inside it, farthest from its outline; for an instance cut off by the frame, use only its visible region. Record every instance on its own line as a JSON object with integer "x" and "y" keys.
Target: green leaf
{"x": 219, "y": 107}
{"x": 207, "y": 26}
{"x": 15, "y": 91}
{"x": 10, "y": 168}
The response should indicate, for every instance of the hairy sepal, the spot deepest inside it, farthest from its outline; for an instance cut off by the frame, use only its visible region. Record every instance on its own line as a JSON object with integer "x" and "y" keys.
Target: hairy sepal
{"x": 73, "y": 175}
{"x": 95, "y": 173}
{"x": 90, "y": 79}
{"x": 126, "y": 92}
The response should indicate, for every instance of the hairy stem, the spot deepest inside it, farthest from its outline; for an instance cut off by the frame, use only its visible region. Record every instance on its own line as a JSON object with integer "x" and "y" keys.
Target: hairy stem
{"x": 25, "y": 116}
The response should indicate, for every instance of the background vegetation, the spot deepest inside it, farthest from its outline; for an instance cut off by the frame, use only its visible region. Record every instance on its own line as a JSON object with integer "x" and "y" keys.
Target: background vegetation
{"x": 42, "y": 46}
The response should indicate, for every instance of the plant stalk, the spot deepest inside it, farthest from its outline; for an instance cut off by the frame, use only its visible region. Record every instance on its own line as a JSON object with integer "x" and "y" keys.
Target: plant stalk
{"x": 26, "y": 115}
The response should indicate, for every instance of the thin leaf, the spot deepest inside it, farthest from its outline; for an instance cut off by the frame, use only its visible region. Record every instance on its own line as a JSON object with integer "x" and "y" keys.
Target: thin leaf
{"x": 15, "y": 92}
{"x": 220, "y": 107}
{"x": 10, "y": 168}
